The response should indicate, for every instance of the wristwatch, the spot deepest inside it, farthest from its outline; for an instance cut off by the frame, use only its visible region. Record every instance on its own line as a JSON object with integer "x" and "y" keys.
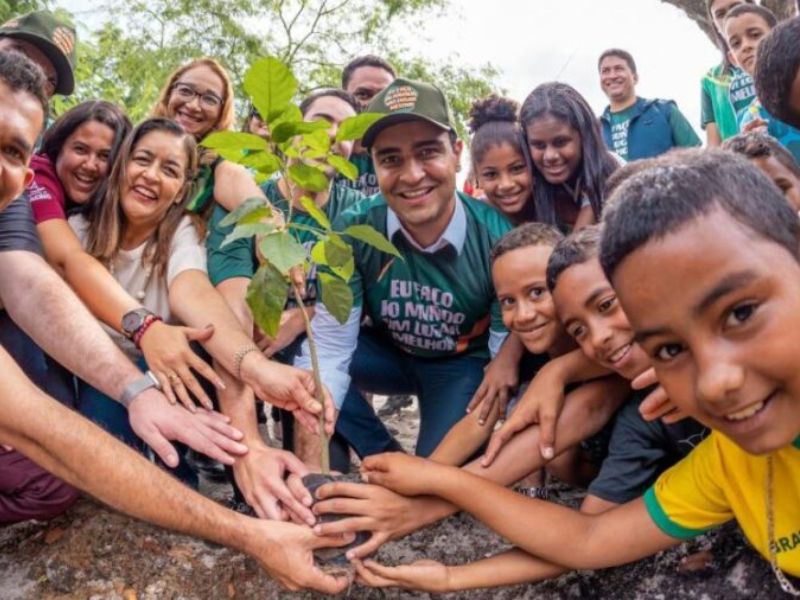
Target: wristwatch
{"x": 133, "y": 320}
{"x": 135, "y": 388}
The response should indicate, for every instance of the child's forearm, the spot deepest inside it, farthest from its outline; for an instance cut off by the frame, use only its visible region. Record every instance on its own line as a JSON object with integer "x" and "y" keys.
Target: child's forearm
{"x": 465, "y": 438}
{"x": 574, "y": 367}
{"x": 540, "y": 528}
{"x": 509, "y": 568}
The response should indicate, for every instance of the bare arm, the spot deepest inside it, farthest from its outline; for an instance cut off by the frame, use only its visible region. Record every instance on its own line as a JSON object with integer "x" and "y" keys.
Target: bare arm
{"x": 466, "y": 437}
{"x": 233, "y": 184}
{"x": 165, "y": 348}
{"x": 195, "y": 302}
{"x": 85, "y": 456}
{"x": 46, "y": 309}
{"x": 596, "y": 541}
{"x": 713, "y": 138}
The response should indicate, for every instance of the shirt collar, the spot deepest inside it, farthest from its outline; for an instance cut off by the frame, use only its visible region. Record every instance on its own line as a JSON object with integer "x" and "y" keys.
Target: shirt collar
{"x": 454, "y": 235}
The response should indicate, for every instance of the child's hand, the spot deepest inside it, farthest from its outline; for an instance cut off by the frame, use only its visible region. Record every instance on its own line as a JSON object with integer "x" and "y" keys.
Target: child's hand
{"x": 422, "y": 575}
{"x": 757, "y": 124}
{"x": 657, "y": 404}
{"x": 542, "y": 404}
{"x": 402, "y": 473}
{"x": 501, "y": 378}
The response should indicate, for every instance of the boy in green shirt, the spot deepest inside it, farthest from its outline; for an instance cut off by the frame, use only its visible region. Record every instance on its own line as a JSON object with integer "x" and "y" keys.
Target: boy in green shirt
{"x": 720, "y": 326}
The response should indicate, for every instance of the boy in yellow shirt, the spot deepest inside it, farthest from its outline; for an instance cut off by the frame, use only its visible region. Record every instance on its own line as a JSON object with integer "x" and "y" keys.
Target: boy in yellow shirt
{"x": 704, "y": 254}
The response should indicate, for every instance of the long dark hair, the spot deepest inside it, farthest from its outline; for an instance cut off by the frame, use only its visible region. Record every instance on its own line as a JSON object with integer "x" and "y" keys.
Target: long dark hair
{"x": 564, "y": 103}
{"x": 107, "y": 223}
{"x": 110, "y": 115}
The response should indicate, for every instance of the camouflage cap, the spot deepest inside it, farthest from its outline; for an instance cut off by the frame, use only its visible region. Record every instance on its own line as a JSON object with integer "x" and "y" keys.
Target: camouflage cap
{"x": 55, "y": 38}
{"x": 407, "y": 100}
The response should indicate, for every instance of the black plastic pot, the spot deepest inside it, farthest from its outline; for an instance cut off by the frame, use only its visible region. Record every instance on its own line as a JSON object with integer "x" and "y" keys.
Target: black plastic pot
{"x": 333, "y": 556}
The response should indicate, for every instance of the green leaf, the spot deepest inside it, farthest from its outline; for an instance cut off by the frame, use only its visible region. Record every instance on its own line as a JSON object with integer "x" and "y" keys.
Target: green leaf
{"x": 282, "y": 250}
{"x": 336, "y": 296}
{"x": 245, "y": 231}
{"x": 244, "y": 208}
{"x": 316, "y": 213}
{"x": 291, "y": 114}
{"x": 307, "y": 177}
{"x": 343, "y": 166}
{"x": 318, "y": 253}
{"x": 354, "y": 128}
{"x": 257, "y": 216}
{"x": 337, "y": 251}
{"x": 316, "y": 231}
{"x": 271, "y": 86}
{"x": 266, "y": 297}
{"x": 262, "y": 161}
{"x": 319, "y": 141}
{"x": 368, "y": 235}
{"x": 234, "y": 141}
{"x": 289, "y": 129}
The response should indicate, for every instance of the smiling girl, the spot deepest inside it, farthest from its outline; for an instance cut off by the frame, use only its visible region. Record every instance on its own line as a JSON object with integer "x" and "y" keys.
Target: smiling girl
{"x": 570, "y": 160}
{"x": 498, "y": 157}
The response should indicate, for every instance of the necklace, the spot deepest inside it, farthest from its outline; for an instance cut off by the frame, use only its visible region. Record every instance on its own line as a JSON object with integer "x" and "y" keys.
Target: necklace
{"x": 785, "y": 584}
{"x": 148, "y": 272}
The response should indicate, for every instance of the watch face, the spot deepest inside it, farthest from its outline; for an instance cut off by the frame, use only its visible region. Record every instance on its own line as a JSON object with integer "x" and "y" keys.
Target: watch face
{"x": 132, "y": 320}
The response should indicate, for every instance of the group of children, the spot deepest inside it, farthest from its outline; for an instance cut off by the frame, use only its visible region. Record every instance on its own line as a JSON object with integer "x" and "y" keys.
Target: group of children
{"x": 613, "y": 275}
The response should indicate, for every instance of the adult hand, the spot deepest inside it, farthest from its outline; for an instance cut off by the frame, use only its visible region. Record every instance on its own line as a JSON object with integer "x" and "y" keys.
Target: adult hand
{"x": 285, "y": 551}
{"x": 501, "y": 378}
{"x": 422, "y": 575}
{"x": 387, "y": 515}
{"x": 542, "y": 403}
{"x": 757, "y": 124}
{"x": 288, "y": 388}
{"x": 169, "y": 356}
{"x": 657, "y": 405}
{"x": 260, "y": 475}
{"x": 291, "y": 326}
{"x": 157, "y": 422}
{"x": 402, "y": 473}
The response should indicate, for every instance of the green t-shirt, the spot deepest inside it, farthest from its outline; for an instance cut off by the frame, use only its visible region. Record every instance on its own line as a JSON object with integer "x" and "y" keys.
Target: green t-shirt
{"x": 620, "y": 121}
{"x": 430, "y": 304}
{"x": 238, "y": 259}
{"x": 367, "y": 180}
{"x": 724, "y": 96}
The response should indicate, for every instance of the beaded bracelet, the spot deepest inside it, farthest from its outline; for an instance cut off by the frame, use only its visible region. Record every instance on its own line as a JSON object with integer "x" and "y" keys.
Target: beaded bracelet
{"x": 239, "y": 357}
{"x": 139, "y": 333}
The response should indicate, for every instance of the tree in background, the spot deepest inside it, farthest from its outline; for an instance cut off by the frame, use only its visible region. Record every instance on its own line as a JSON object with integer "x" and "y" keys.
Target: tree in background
{"x": 696, "y": 11}
{"x": 140, "y": 42}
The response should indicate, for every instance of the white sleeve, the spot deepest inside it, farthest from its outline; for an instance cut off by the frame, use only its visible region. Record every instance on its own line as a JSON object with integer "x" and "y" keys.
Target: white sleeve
{"x": 335, "y": 346}
{"x": 187, "y": 251}
{"x": 496, "y": 340}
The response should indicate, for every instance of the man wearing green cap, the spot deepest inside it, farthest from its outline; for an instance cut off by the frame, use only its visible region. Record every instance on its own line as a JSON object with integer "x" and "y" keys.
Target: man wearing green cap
{"x": 435, "y": 319}
{"x": 47, "y": 41}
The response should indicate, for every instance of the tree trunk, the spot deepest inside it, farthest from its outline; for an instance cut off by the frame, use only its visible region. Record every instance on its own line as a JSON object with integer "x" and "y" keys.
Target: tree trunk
{"x": 696, "y": 11}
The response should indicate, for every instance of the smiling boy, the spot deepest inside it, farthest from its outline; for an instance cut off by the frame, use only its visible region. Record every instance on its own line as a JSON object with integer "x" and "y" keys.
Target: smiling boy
{"x": 720, "y": 326}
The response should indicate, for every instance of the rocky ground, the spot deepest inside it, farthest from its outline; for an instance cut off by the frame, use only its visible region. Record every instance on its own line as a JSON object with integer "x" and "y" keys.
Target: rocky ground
{"x": 92, "y": 552}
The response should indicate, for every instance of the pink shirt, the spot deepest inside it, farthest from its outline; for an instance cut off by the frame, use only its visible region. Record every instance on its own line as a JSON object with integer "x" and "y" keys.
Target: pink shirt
{"x": 45, "y": 193}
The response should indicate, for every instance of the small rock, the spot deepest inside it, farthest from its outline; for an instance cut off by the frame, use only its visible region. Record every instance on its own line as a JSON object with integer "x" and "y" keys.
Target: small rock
{"x": 699, "y": 561}
{"x": 53, "y": 535}
{"x": 129, "y": 594}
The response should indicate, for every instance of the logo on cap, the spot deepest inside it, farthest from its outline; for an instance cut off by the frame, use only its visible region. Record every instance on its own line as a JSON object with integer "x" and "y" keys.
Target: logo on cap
{"x": 401, "y": 97}
{"x": 64, "y": 40}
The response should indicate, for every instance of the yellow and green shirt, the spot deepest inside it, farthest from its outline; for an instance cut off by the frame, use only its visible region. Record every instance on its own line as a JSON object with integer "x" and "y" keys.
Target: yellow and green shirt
{"x": 720, "y": 481}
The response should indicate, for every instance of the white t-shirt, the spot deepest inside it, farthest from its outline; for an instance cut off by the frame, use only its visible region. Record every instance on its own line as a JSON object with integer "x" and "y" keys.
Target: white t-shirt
{"x": 187, "y": 252}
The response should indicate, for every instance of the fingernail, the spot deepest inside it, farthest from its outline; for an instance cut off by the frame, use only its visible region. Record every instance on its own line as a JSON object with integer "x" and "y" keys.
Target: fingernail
{"x": 221, "y": 384}
{"x": 481, "y": 422}
{"x": 547, "y": 453}
{"x": 317, "y": 529}
{"x": 307, "y": 501}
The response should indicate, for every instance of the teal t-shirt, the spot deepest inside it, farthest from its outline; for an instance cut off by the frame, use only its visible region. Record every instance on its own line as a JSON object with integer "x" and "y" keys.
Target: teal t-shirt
{"x": 430, "y": 304}
{"x": 367, "y": 180}
{"x": 239, "y": 259}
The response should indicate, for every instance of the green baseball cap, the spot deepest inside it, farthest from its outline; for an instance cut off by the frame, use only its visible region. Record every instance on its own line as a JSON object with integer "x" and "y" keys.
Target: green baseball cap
{"x": 55, "y": 38}
{"x": 407, "y": 100}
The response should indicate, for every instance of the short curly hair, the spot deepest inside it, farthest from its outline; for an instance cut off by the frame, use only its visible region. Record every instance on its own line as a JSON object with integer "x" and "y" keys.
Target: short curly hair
{"x": 777, "y": 68}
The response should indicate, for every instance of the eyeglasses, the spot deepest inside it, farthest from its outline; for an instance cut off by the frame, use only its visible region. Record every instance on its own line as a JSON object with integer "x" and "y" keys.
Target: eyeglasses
{"x": 188, "y": 92}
